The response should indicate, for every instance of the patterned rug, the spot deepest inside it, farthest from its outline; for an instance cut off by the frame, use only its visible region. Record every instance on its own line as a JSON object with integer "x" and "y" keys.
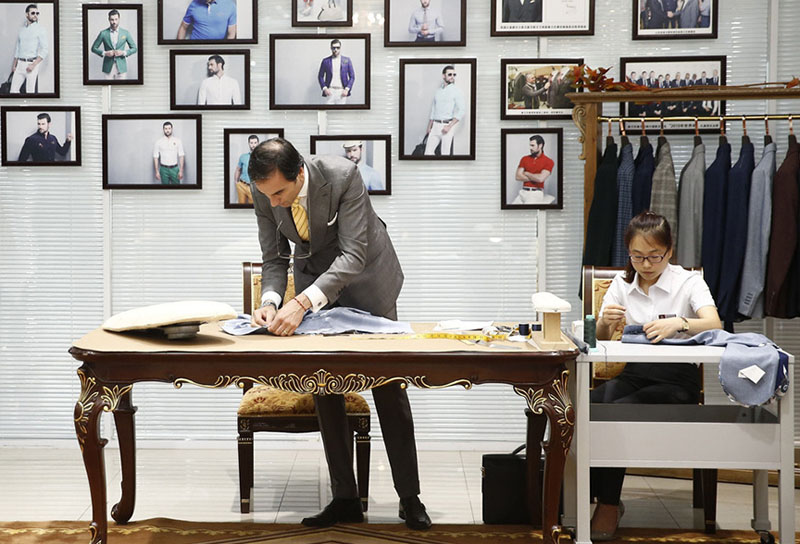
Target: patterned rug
{"x": 168, "y": 531}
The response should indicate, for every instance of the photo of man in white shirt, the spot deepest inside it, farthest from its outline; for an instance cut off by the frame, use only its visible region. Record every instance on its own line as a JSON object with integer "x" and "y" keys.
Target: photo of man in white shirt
{"x": 218, "y": 89}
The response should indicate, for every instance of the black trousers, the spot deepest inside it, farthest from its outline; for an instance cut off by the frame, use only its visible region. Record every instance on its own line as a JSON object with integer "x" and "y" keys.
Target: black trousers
{"x": 641, "y": 383}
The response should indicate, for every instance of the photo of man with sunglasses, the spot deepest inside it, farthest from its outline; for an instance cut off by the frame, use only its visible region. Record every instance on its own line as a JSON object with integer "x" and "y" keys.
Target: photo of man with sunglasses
{"x": 336, "y": 75}
{"x": 29, "y": 52}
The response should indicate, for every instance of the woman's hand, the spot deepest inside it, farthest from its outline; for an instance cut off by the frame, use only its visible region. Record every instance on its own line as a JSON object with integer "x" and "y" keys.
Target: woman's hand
{"x": 613, "y": 314}
{"x": 659, "y": 329}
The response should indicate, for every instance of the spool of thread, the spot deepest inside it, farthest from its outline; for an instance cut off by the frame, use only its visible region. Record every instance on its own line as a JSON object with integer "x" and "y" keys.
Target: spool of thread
{"x": 590, "y": 331}
{"x": 524, "y": 329}
{"x": 536, "y": 327}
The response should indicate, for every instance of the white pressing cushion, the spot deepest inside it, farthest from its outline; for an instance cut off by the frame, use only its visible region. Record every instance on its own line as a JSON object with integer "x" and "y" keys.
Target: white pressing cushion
{"x": 169, "y": 313}
{"x": 548, "y": 302}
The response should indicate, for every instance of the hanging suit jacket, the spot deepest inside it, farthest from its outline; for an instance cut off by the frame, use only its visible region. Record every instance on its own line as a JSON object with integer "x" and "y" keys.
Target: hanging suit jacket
{"x": 759, "y": 219}
{"x": 603, "y": 212}
{"x": 642, "y": 179}
{"x": 735, "y": 241}
{"x": 124, "y": 39}
{"x": 664, "y": 193}
{"x": 625, "y": 169}
{"x": 783, "y": 237}
{"x": 690, "y": 209}
{"x": 715, "y": 198}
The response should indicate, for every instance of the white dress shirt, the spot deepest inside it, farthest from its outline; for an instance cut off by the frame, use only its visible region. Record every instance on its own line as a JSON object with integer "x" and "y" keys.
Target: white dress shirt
{"x": 219, "y": 91}
{"x": 168, "y": 149}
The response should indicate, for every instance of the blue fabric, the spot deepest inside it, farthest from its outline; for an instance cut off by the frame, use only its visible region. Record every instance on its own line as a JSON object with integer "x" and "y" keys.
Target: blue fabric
{"x": 337, "y": 320}
{"x": 603, "y": 212}
{"x": 346, "y": 73}
{"x": 642, "y": 179}
{"x": 210, "y": 21}
{"x": 715, "y": 198}
{"x": 244, "y": 162}
{"x": 625, "y": 170}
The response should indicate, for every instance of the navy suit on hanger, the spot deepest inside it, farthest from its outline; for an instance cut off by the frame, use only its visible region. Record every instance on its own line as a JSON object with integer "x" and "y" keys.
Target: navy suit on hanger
{"x": 715, "y": 198}
{"x": 643, "y": 178}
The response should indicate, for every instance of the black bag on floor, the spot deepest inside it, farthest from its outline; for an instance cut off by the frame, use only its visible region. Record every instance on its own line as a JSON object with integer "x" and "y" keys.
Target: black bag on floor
{"x": 503, "y": 484}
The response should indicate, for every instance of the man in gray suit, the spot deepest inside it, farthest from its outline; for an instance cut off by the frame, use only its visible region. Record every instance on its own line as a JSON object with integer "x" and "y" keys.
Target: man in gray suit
{"x": 342, "y": 256}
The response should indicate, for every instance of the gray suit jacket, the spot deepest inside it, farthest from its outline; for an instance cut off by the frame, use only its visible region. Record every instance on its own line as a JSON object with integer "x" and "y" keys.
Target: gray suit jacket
{"x": 664, "y": 192}
{"x": 350, "y": 256}
{"x": 690, "y": 209}
{"x": 759, "y": 219}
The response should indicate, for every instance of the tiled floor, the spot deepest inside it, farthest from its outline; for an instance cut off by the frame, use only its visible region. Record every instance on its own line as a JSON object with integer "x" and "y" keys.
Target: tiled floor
{"x": 201, "y": 483}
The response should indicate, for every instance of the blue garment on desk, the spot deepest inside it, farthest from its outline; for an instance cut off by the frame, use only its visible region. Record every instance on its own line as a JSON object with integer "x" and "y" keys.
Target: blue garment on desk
{"x": 337, "y": 320}
{"x": 742, "y": 350}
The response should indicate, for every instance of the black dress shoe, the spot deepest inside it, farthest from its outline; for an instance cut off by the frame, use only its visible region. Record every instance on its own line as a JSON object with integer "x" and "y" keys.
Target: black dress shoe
{"x": 338, "y": 511}
{"x": 413, "y": 511}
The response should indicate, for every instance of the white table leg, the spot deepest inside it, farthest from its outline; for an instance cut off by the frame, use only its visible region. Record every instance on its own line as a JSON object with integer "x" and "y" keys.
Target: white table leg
{"x": 580, "y": 443}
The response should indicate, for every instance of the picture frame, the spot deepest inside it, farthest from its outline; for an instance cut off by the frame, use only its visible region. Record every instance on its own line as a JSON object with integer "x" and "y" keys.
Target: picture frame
{"x": 129, "y": 162}
{"x": 41, "y": 135}
{"x": 419, "y": 81}
{"x": 44, "y": 76}
{"x": 237, "y": 157}
{"x": 322, "y": 13}
{"x": 107, "y": 63}
{"x": 701, "y": 71}
{"x": 528, "y": 152}
{"x": 180, "y": 22}
{"x": 542, "y": 18}
{"x": 209, "y": 79}
{"x": 675, "y": 19}
{"x": 447, "y": 18}
{"x": 300, "y": 68}
{"x": 536, "y": 88}
{"x": 372, "y": 153}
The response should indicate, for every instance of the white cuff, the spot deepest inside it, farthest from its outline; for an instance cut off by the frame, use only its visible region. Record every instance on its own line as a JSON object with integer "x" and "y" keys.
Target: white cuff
{"x": 316, "y": 296}
{"x": 271, "y": 296}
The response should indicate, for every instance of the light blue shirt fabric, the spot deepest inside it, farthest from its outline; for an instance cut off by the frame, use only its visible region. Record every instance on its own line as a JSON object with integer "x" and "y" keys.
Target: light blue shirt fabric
{"x": 339, "y": 320}
{"x": 210, "y": 21}
{"x": 31, "y": 42}
{"x": 448, "y": 103}
{"x": 372, "y": 179}
{"x": 434, "y": 20}
{"x": 244, "y": 162}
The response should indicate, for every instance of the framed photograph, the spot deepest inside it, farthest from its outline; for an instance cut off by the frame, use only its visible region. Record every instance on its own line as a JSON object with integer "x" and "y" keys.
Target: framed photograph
{"x": 211, "y": 79}
{"x": 542, "y": 18}
{"x": 302, "y": 75}
{"x": 674, "y": 72}
{"x": 190, "y": 22}
{"x": 531, "y": 173}
{"x": 675, "y": 19}
{"x": 160, "y": 151}
{"x": 536, "y": 88}
{"x": 33, "y": 66}
{"x": 372, "y": 153}
{"x": 322, "y": 12}
{"x": 239, "y": 143}
{"x": 42, "y": 136}
{"x": 438, "y": 122}
{"x": 425, "y": 23}
{"x": 112, "y": 44}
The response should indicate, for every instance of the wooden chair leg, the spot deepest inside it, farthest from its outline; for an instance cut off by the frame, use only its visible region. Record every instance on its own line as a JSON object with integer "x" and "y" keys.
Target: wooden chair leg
{"x": 245, "y": 442}
{"x": 709, "y": 478}
{"x": 362, "y": 467}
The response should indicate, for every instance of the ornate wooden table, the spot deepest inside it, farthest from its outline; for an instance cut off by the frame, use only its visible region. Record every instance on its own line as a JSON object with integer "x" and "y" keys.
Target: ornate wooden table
{"x": 114, "y": 362}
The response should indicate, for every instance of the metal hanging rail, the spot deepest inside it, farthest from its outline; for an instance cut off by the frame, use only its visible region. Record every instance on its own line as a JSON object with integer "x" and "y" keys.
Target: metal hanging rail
{"x": 773, "y": 117}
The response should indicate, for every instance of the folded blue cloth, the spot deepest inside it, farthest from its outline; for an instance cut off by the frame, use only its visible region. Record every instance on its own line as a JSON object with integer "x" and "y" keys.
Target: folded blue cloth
{"x": 339, "y": 320}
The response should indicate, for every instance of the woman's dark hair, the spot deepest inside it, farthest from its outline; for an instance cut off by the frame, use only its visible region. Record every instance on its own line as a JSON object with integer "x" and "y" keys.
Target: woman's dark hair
{"x": 271, "y": 155}
{"x": 650, "y": 225}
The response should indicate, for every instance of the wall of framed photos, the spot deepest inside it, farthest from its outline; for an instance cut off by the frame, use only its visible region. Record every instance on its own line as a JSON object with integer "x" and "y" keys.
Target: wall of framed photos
{"x": 72, "y": 253}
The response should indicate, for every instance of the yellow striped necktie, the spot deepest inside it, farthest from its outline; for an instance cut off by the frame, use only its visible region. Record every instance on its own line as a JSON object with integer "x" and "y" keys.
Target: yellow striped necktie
{"x": 300, "y": 219}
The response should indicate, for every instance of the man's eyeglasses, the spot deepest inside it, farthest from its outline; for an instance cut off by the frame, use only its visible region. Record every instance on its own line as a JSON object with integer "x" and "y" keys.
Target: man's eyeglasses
{"x": 286, "y": 254}
{"x": 335, "y": 48}
{"x": 652, "y": 258}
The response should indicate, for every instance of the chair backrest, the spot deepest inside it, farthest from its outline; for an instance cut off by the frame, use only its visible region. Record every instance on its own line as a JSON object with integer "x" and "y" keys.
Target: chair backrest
{"x": 251, "y": 287}
{"x": 596, "y": 281}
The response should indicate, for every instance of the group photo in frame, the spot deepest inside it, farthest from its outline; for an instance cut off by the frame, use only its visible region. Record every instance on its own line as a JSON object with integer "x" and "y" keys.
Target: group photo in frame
{"x": 437, "y": 108}
{"x": 322, "y": 13}
{"x": 372, "y": 153}
{"x": 160, "y": 151}
{"x": 41, "y": 136}
{"x": 425, "y": 23}
{"x": 536, "y": 88}
{"x": 531, "y": 173}
{"x": 239, "y": 143}
{"x": 193, "y": 22}
{"x": 675, "y": 19}
{"x": 674, "y": 73}
{"x": 542, "y": 18}
{"x": 112, "y": 44}
{"x": 301, "y": 75}
{"x": 33, "y": 69}
{"x": 209, "y": 79}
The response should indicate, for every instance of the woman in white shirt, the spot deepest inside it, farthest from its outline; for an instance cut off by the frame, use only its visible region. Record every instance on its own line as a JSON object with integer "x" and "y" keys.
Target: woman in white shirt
{"x": 667, "y": 301}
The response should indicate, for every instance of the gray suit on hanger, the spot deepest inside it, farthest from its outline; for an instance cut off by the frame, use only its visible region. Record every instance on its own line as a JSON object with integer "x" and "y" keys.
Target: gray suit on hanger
{"x": 664, "y": 192}
{"x": 351, "y": 259}
{"x": 689, "y": 238}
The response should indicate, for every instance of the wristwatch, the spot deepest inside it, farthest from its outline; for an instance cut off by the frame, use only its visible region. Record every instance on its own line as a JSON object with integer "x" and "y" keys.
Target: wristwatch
{"x": 270, "y": 303}
{"x": 685, "y": 326}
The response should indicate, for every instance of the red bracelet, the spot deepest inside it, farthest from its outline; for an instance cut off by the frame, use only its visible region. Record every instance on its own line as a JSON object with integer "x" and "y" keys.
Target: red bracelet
{"x": 297, "y": 300}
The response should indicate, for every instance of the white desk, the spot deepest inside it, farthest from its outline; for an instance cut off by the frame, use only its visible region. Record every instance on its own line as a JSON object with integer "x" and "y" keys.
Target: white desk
{"x": 754, "y": 446}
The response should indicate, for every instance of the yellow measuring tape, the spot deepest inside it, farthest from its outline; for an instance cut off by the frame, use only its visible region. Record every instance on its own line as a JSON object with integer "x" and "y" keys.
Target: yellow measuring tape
{"x": 457, "y": 336}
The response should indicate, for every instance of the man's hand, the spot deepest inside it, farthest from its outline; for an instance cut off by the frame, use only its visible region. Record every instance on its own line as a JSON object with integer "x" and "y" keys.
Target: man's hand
{"x": 158, "y": 175}
{"x": 30, "y": 67}
{"x": 180, "y": 174}
{"x": 287, "y": 319}
{"x": 345, "y": 93}
{"x": 109, "y": 53}
{"x": 264, "y": 316}
{"x": 659, "y": 329}
{"x": 445, "y": 129}
{"x": 69, "y": 137}
{"x": 326, "y": 91}
{"x": 118, "y": 53}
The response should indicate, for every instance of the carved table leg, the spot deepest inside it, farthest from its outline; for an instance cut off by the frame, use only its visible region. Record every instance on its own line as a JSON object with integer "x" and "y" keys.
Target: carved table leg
{"x": 552, "y": 400}
{"x": 124, "y": 420}
{"x": 88, "y": 409}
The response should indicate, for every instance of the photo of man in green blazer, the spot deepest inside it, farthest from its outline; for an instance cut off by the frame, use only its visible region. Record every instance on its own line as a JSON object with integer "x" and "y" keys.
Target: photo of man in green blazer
{"x": 115, "y": 45}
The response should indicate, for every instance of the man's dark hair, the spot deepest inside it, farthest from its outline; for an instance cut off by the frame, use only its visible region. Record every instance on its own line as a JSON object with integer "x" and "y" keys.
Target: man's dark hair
{"x": 272, "y": 155}
{"x": 217, "y": 59}
{"x": 30, "y": 6}
{"x": 252, "y": 137}
{"x": 336, "y": 40}
{"x": 44, "y": 116}
{"x": 166, "y": 123}
{"x": 538, "y": 139}
{"x": 448, "y": 67}
{"x": 112, "y": 13}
